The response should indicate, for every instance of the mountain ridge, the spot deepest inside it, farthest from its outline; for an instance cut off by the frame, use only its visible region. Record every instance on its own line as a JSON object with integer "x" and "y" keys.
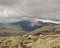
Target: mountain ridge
{"x": 22, "y": 27}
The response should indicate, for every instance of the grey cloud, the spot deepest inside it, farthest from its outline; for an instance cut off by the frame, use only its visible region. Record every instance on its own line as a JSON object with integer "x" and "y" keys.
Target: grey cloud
{"x": 10, "y": 2}
{"x": 42, "y": 9}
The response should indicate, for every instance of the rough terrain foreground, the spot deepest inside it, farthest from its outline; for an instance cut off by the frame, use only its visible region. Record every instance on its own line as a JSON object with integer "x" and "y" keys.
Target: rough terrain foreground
{"x": 31, "y": 41}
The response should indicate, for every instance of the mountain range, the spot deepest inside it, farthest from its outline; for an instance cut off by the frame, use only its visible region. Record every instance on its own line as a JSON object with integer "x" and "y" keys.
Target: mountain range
{"x": 22, "y": 27}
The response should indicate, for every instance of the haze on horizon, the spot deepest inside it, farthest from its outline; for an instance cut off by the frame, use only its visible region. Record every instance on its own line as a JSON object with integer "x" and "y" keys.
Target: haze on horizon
{"x": 16, "y": 10}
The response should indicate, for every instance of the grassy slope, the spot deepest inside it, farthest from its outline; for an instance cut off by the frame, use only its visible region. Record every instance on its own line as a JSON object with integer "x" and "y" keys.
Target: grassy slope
{"x": 10, "y": 30}
{"x": 49, "y": 39}
{"x": 43, "y": 41}
{"x": 46, "y": 30}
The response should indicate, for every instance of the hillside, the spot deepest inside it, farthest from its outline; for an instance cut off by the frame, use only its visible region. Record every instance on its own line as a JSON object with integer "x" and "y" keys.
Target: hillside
{"x": 22, "y": 27}
{"x": 10, "y": 37}
{"x": 8, "y": 30}
{"x": 43, "y": 41}
{"x": 46, "y": 30}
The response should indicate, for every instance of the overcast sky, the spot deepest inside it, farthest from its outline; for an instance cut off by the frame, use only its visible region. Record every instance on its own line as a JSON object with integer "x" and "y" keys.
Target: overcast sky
{"x": 16, "y": 10}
